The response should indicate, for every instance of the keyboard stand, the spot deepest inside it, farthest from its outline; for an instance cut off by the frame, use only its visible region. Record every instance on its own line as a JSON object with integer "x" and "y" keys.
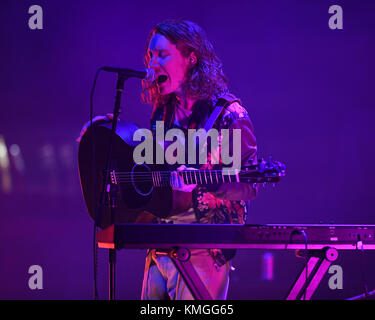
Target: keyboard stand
{"x": 181, "y": 260}
{"x": 320, "y": 251}
{"x": 317, "y": 265}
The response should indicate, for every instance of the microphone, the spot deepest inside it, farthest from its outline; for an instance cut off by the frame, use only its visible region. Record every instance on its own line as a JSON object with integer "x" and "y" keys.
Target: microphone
{"x": 147, "y": 74}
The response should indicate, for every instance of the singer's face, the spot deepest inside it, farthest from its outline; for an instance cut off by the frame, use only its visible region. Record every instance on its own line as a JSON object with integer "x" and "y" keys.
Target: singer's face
{"x": 167, "y": 60}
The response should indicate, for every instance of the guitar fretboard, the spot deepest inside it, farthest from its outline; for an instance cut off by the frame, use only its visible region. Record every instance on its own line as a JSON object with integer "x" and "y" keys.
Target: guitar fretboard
{"x": 209, "y": 176}
{"x": 198, "y": 177}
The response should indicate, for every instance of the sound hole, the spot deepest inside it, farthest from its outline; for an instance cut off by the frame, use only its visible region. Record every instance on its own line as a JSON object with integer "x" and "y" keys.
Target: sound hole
{"x": 142, "y": 179}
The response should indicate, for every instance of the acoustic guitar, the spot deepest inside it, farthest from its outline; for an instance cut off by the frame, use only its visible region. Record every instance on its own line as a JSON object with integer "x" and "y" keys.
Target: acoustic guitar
{"x": 142, "y": 191}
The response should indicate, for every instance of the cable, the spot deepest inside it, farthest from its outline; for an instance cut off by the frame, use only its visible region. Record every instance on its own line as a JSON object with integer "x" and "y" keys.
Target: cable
{"x": 306, "y": 262}
{"x": 363, "y": 277}
{"x": 367, "y": 293}
{"x": 95, "y": 249}
{"x": 301, "y": 232}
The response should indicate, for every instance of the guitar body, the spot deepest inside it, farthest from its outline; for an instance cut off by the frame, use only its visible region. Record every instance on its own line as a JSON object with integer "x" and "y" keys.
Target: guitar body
{"x": 142, "y": 191}
{"x": 134, "y": 203}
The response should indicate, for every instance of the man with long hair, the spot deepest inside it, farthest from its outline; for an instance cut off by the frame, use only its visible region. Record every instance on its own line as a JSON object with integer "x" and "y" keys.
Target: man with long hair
{"x": 189, "y": 84}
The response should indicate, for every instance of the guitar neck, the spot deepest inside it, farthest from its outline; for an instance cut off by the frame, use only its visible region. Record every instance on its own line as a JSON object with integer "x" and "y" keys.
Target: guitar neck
{"x": 202, "y": 177}
{"x": 251, "y": 174}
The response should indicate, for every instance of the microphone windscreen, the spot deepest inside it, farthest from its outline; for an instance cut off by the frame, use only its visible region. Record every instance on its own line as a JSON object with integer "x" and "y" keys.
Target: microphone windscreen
{"x": 150, "y": 75}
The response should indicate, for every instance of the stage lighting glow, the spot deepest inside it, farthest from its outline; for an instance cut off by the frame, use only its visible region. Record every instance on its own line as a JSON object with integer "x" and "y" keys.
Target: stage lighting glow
{"x": 4, "y": 160}
{"x": 48, "y": 157}
{"x": 267, "y": 266}
{"x": 6, "y": 179}
{"x": 14, "y": 150}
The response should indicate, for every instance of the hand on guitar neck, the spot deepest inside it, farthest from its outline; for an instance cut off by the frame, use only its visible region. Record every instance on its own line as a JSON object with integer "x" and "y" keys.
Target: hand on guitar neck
{"x": 182, "y": 197}
{"x": 178, "y": 182}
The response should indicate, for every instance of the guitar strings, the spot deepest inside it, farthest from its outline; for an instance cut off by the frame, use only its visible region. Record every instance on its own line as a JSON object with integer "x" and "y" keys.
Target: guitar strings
{"x": 196, "y": 180}
{"x": 190, "y": 176}
{"x": 231, "y": 172}
{"x": 165, "y": 177}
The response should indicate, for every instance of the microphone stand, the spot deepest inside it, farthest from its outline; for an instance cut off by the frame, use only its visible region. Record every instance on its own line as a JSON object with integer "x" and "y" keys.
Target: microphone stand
{"x": 109, "y": 191}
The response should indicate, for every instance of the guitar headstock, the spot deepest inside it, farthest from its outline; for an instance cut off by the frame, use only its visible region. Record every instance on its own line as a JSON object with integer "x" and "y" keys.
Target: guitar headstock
{"x": 263, "y": 171}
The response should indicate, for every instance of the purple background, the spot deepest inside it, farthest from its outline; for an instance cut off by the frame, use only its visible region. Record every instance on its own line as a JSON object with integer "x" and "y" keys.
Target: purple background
{"x": 308, "y": 89}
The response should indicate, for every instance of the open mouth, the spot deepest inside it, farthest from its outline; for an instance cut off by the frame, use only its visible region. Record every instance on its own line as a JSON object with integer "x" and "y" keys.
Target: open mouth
{"x": 162, "y": 78}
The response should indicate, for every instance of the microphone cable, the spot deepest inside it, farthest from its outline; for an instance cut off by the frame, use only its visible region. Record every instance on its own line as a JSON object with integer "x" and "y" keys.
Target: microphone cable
{"x": 93, "y": 168}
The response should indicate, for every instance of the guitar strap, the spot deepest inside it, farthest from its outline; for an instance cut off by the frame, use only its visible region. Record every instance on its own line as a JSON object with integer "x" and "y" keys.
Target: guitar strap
{"x": 221, "y": 104}
{"x": 213, "y": 117}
